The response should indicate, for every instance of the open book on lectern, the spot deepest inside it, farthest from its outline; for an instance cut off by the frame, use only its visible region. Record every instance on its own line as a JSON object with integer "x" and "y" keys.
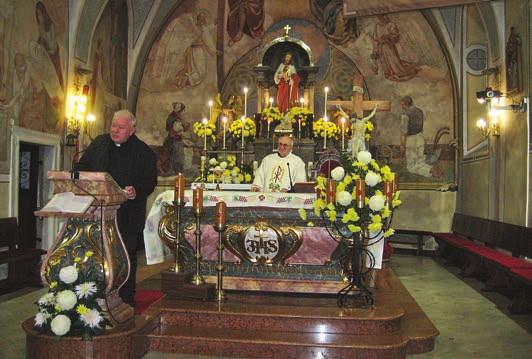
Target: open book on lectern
{"x": 68, "y": 202}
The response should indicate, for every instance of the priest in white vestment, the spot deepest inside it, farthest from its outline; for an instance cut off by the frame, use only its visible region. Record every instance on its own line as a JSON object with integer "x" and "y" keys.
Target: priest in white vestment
{"x": 279, "y": 171}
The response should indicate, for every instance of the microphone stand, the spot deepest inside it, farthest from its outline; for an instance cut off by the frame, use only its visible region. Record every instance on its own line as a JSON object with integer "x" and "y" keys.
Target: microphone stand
{"x": 291, "y": 190}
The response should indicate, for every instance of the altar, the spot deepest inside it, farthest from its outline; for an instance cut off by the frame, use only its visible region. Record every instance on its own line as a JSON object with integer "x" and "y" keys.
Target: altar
{"x": 269, "y": 247}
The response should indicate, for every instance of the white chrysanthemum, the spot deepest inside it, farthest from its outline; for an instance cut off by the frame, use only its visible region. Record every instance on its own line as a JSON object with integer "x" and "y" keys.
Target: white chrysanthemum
{"x": 236, "y": 180}
{"x": 213, "y": 161}
{"x": 223, "y": 165}
{"x": 47, "y": 299}
{"x": 85, "y": 290}
{"x": 338, "y": 173}
{"x": 376, "y": 202}
{"x": 372, "y": 178}
{"x": 344, "y": 198}
{"x": 217, "y": 169}
{"x": 234, "y": 172}
{"x": 68, "y": 274}
{"x": 364, "y": 157}
{"x": 41, "y": 318}
{"x": 92, "y": 318}
{"x": 66, "y": 299}
{"x": 60, "y": 324}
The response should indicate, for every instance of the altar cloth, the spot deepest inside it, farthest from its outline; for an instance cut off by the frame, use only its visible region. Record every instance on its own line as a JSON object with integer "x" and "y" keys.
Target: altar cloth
{"x": 156, "y": 251}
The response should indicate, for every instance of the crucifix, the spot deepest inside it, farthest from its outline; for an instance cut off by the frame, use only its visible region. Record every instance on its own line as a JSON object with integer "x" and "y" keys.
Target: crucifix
{"x": 357, "y": 104}
{"x": 286, "y": 29}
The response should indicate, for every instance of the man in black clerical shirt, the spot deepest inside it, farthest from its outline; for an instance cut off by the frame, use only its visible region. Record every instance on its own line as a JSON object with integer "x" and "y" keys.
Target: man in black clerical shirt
{"x": 132, "y": 164}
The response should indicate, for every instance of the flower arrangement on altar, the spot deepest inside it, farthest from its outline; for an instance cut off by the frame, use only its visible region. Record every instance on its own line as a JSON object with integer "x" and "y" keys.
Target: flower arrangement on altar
{"x": 322, "y": 128}
{"x": 271, "y": 114}
{"x": 359, "y": 197}
{"x": 296, "y": 114}
{"x": 205, "y": 129}
{"x": 226, "y": 171}
{"x": 250, "y": 129}
{"x": 71, "y": 305}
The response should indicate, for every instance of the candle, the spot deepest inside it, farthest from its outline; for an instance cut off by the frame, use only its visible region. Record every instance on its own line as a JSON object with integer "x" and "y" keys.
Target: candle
{"x": 221, "y": 210}
{"x": 224, "y": 121}
{"x": 299, "y": 126}
{"x": 343, "y": 133}
{"x": 388, "y": 191}
{"x": 243, "y": 126}
{"x": 179, "y": 190}
{"x": 245, "y": 101}
{"x": 331, "y": 191}
{"x": 325, "y": 127}
{"x": 210, "y": 109}
{"x": 271, "y": 101}
{"x": 302, "y": 101}
{"x": 204, "y": 121}
{"x": 255, "y": 165}
{"x": 197, "y": 196}
{"x": 326, "y": 89}
{"x": 203, "y": 159}
{"x": 360, "y": 192}
{"x": 309, "y": 169}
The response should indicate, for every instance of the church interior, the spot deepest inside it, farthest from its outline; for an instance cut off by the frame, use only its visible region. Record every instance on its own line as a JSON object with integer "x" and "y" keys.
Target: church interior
{"x": 422, "y": 105}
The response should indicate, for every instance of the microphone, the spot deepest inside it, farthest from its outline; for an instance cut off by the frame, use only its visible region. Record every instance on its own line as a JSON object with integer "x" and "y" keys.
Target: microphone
{"x": 291, "y": 190}
{"x": 74, "y": 173}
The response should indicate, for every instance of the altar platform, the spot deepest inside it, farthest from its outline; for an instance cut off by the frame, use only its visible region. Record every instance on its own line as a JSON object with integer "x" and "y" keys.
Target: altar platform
{"x": 275, "y": 325}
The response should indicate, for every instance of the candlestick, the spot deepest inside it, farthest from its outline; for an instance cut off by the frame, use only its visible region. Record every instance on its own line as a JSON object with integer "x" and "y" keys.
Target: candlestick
{"x": 331, "y": 191}
{"x": 360, "y": 192}
{"x": 210, "y": 103}
{"x": 221, "y": 209}
{"x": 309, "y": 170}
{"x": 325, "y": 127}
{"x": 224, "y": 121}
{"x": 388, "y": 191}
{"x": 271, "y": 102}
{"x": 268, "y": 134}
{"x": 179, "y": 190}
{"x": 204, "y": 121}
{"x": 202, "y": 168}
{"x": 197, "y": 196}
{"x": 245, "y": 102}
{"x": 243, "y": 126}
{"x": 343, "y": 133}
{"x": 326, "y": 89}
{"x": 299, "y": 128}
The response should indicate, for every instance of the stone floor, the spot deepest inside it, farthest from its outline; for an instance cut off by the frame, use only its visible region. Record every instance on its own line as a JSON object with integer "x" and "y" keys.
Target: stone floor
{"x": 472, "y": 324}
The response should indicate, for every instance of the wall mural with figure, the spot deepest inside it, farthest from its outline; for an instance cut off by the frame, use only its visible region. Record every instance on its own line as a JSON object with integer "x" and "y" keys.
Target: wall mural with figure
{"x": 397, "y": 55}
{"x": 33, "y": 45}
{"x": 107, "y": 75}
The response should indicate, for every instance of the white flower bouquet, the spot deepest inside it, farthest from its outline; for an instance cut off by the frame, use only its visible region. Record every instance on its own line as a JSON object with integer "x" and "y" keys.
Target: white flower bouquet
{"x": 71, "y": 305}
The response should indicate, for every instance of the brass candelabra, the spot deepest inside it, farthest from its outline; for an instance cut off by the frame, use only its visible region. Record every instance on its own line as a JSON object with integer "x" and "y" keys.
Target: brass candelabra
{"x": 220, "y": 228}
{"x": 197, "y": 278}
{"x": 178, "y": 205}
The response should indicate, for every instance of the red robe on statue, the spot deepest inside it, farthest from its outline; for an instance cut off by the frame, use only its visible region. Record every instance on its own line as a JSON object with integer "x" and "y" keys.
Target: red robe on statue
{"x": 287, "y": 90}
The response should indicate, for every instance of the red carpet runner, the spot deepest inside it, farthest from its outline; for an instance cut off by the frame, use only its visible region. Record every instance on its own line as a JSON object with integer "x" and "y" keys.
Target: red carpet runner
{"x": 144, "y": 298}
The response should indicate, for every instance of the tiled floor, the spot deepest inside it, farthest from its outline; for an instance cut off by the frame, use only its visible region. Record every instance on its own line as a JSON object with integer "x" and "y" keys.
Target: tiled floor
{"x": 472, "y": 324}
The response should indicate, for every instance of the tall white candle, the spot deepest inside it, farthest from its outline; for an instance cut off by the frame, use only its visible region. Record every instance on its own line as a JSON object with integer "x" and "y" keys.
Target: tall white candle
{"x": 326, "y": 89}
{"x": 210, "y": 109}
{"x": 245, "y": 101}
{"x": 243, "y": 126}
{"x": 224, "y": 121}
{"x": 343, "y": 133}
{"x": 268, "y": 134}
{"x": 204, "y": 134}
{"x": 325, "y": 127}
{"x": 302, "y": 101}
{"x": 271, "y": 102}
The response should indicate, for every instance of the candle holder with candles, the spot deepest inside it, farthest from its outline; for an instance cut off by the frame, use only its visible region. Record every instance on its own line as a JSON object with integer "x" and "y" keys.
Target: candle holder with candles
{"x": 197, "y": 278}
{"x": 325, "y": 132}
{"x": 206, "y": 130}
{"x": 270, "y": 117}
{"x": 356, "y": 205}
{"x": 299, "y": 118}
{"x": 220, "y": 227}
{"x": 240, "y": 139}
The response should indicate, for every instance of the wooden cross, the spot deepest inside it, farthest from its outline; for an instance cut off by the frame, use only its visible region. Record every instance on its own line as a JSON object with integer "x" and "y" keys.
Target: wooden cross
{"x": 286, "y": 29}
{"x": 357, "y": 104}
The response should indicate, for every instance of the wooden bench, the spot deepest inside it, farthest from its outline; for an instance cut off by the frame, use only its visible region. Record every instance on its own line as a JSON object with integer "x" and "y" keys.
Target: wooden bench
{"x": 494, "y": 250}
{"x": 21, "y": 262}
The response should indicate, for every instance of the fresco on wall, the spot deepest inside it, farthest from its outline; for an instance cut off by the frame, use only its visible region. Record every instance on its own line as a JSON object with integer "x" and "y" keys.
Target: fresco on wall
{"x": 398, "y": 55}
{"x": 32, "y": 67}
{"x": 107, "y": 70}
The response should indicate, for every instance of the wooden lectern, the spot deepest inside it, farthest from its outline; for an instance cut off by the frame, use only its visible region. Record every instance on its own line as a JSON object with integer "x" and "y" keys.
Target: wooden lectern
{"x": 83, "y": 232}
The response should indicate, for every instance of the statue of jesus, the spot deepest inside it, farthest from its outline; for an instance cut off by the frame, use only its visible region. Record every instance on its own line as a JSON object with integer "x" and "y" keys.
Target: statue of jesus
{"x": 287, "y": 81}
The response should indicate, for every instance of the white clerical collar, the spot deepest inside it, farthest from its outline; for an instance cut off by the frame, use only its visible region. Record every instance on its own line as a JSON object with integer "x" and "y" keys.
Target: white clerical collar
{"x": 117, "y": 144}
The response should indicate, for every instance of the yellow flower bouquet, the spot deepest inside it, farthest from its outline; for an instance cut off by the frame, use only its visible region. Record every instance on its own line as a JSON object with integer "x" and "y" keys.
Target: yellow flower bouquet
{"x": 250, "y": 130}
{"x": 201, "y": 129}
{"x": 299, "y": 113}
{"x": 226, "y": 171}
{"x": 322, "y": 128}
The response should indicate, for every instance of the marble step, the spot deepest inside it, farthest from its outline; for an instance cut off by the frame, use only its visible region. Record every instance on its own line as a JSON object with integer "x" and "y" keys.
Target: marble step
{"x": 282, "y": 318}
{"x": 264, "y": 343}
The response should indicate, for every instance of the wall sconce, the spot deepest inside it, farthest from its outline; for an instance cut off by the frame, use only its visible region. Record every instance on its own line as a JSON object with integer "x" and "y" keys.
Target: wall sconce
{"x": 77, "y": 117}
{"x": 491, "y": 97}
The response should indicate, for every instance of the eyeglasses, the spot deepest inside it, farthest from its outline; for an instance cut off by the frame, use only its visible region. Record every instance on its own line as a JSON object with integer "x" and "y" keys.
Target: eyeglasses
{"x": 283, "y": 144}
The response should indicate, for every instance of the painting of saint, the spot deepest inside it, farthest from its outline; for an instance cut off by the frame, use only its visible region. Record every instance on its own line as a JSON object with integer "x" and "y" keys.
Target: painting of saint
{"x": 385, "y": 54}
{"x": 513, "y": 62}
{"x": 338, "y": 28}
{"x": 287, "y": 81}
{"x": 245, "y": 17}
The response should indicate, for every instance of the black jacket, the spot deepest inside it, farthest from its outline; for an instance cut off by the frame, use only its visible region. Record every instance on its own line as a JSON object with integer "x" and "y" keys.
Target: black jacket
{"x": 131, "y": 164}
